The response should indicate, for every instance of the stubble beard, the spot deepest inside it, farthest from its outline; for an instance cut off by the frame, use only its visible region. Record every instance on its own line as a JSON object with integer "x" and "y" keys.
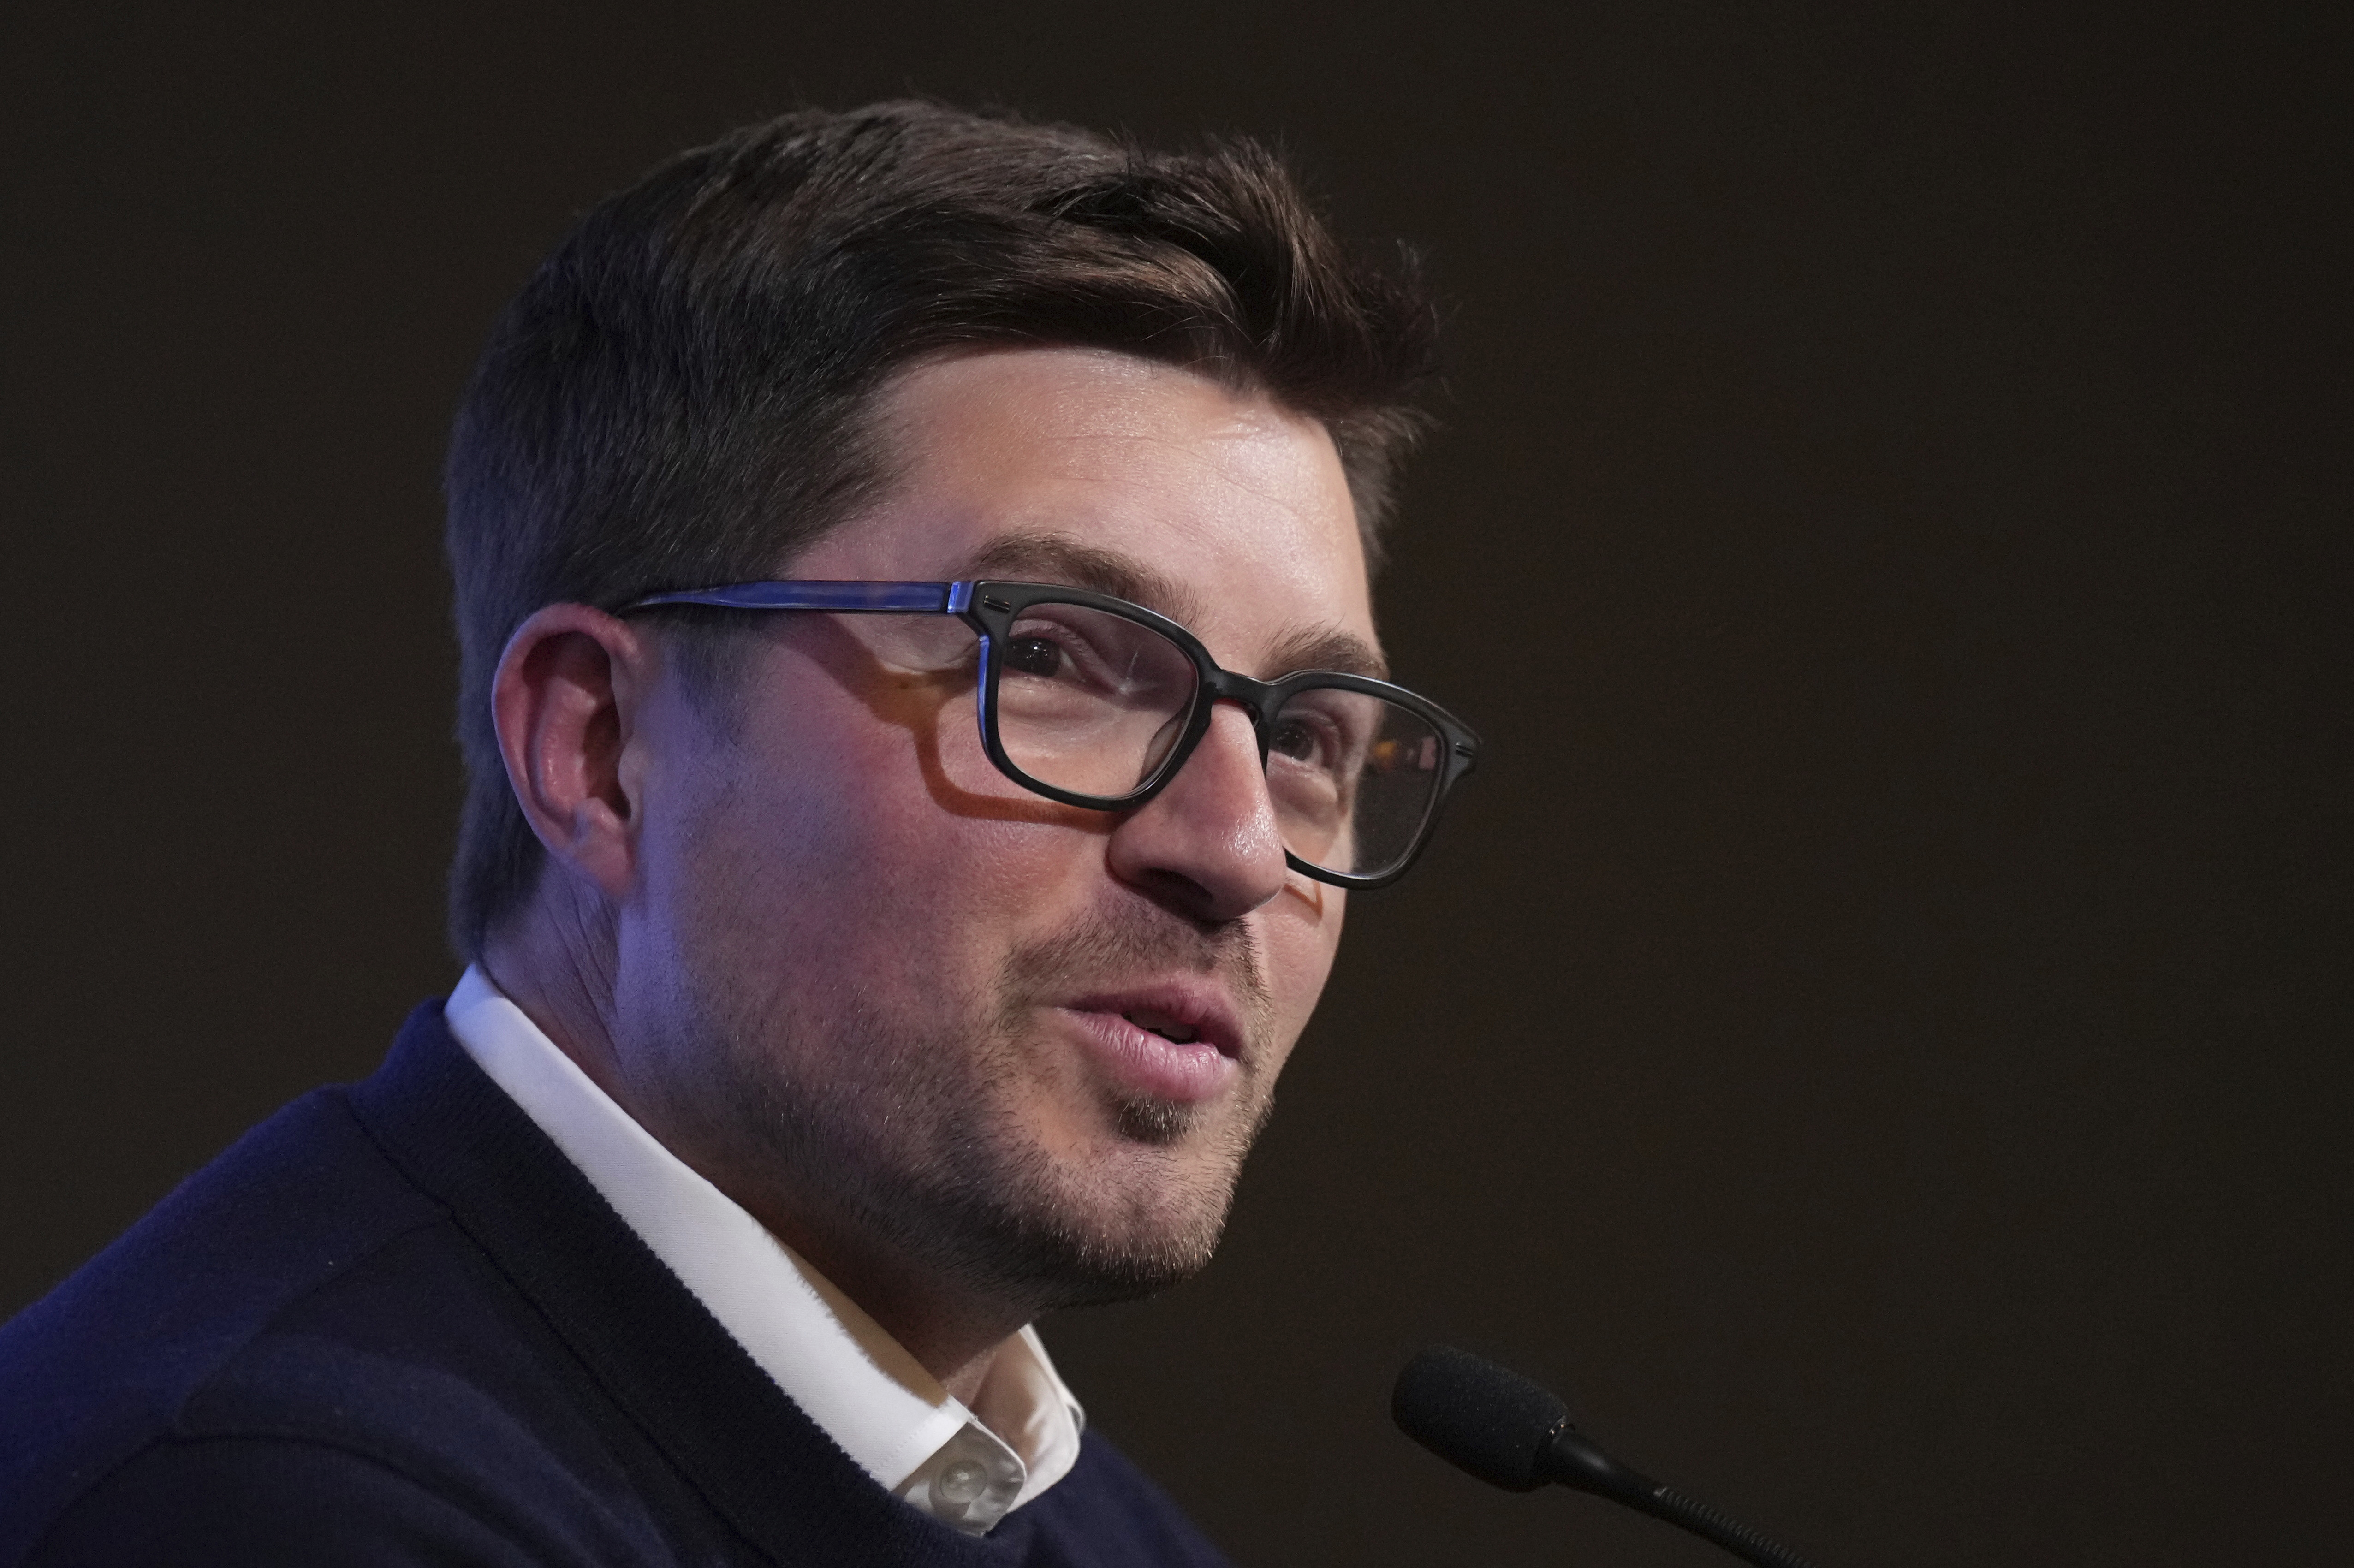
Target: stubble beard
{"x": 924, "y": 1149}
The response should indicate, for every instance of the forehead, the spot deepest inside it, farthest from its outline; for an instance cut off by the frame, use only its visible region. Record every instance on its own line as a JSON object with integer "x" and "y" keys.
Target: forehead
{"x": 1231, "y": 511}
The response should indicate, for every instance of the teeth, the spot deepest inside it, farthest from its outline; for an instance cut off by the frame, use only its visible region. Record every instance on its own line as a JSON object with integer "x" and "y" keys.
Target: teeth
{"x": 1161, "y": 1023}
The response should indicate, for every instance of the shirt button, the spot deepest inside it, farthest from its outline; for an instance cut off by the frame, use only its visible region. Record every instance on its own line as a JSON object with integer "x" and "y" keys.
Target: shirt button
{"x": 961, "y": 1482}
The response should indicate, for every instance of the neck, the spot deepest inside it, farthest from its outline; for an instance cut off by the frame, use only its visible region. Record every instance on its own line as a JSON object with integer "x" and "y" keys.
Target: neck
{"x": 559, "y": 972}
{"x": 952, "y": 1335}
{"x": 558, "y": 969}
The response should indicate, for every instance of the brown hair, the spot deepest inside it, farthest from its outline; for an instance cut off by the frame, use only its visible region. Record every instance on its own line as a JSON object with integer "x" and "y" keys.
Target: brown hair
{"x": 676, "y": 398}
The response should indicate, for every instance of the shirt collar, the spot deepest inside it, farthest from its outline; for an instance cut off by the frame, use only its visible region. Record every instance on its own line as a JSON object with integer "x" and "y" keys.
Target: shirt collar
{"x": 859, "y": 1385}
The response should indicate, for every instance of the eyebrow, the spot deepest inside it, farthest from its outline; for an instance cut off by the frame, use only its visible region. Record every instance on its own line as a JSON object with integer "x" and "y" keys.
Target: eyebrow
{"x": 1343, "y": 653}
{"x": 1059, "y": 558}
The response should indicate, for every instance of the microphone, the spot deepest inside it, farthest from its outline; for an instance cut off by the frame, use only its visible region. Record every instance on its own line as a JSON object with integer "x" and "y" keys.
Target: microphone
{"x": 1504, "y": 1429}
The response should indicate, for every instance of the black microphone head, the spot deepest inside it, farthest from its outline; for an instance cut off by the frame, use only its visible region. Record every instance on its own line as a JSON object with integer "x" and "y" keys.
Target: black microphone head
{"x": 1478, "y": 1417}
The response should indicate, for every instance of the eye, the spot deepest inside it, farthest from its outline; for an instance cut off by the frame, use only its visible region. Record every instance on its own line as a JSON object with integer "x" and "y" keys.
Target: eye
{"x": 1040, "y": 656}
{"x": 1300, "y": 740}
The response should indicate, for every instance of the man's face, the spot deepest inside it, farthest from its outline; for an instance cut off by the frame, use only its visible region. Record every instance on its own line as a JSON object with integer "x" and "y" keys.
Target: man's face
{"x": 888, "y": 998}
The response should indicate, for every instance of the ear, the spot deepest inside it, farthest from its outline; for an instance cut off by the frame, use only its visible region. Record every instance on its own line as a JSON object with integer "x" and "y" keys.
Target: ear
{"x": 566, "y": 692}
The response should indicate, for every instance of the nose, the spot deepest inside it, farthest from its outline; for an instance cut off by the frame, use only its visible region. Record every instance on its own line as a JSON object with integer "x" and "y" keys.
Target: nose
{"x": 1208, "y": 845}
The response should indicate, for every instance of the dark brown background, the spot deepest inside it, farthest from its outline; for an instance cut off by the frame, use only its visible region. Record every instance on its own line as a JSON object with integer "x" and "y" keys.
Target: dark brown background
{"x": 1876, "y": 1036}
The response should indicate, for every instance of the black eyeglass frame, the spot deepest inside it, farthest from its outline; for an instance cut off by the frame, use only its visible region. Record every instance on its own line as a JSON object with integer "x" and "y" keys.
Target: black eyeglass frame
{"x": 989, "y": 609}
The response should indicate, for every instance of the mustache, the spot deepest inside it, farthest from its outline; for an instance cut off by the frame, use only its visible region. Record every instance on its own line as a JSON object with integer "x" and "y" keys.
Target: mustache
{"x": 1128, "y": 941}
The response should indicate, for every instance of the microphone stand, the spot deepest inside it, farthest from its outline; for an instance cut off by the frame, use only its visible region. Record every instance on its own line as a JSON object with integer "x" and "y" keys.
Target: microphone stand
{"x": 1572, "y": 1461}
{"x": 1510, "y": 1432}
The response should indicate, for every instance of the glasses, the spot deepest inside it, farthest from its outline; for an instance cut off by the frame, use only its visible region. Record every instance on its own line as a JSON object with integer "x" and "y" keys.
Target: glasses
{"x": 1096, "y": 702}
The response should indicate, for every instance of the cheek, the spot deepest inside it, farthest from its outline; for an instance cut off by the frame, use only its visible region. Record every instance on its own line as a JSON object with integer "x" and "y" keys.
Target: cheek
{"x": 867, "y": 834}
{"x": 916, "y": 733}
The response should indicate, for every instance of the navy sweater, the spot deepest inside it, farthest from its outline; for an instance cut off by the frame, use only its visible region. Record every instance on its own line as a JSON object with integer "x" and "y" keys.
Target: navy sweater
{"x": 394, "y": 1325}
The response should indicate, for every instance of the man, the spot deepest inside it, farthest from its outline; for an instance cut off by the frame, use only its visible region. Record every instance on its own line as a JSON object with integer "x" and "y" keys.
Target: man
{"x": 923, "y": 716}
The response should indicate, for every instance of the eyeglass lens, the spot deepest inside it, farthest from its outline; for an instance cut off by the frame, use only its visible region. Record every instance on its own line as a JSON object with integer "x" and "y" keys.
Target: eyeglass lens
{"x": 1092, "y": 703}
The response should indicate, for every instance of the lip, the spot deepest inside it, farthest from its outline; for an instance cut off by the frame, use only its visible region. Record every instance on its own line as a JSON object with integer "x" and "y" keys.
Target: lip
{"x": 1140, "y": 1059}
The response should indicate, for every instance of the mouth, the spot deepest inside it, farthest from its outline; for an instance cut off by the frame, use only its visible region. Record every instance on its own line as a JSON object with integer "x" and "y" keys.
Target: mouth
{"x": 1163, "y": 1024}
{"x": 1179, "y": 1042}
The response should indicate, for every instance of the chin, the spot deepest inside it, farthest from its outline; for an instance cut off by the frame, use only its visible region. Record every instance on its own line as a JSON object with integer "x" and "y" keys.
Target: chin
{"x": 1160, "y": 1123}
{"x": 1098, "y": 1270}
{"x": 1149, "y": 1218}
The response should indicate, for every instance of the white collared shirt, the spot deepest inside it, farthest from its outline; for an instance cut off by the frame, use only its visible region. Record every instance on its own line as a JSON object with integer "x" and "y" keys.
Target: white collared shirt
{"x": 866, "y": 1392}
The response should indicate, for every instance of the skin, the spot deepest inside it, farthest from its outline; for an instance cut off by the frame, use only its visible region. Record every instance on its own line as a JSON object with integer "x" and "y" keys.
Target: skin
{"x": 876, "y": 992}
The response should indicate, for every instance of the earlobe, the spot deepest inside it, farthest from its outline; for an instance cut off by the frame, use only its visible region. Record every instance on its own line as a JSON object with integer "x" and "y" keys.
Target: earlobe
{"x": 563, "y": 702}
